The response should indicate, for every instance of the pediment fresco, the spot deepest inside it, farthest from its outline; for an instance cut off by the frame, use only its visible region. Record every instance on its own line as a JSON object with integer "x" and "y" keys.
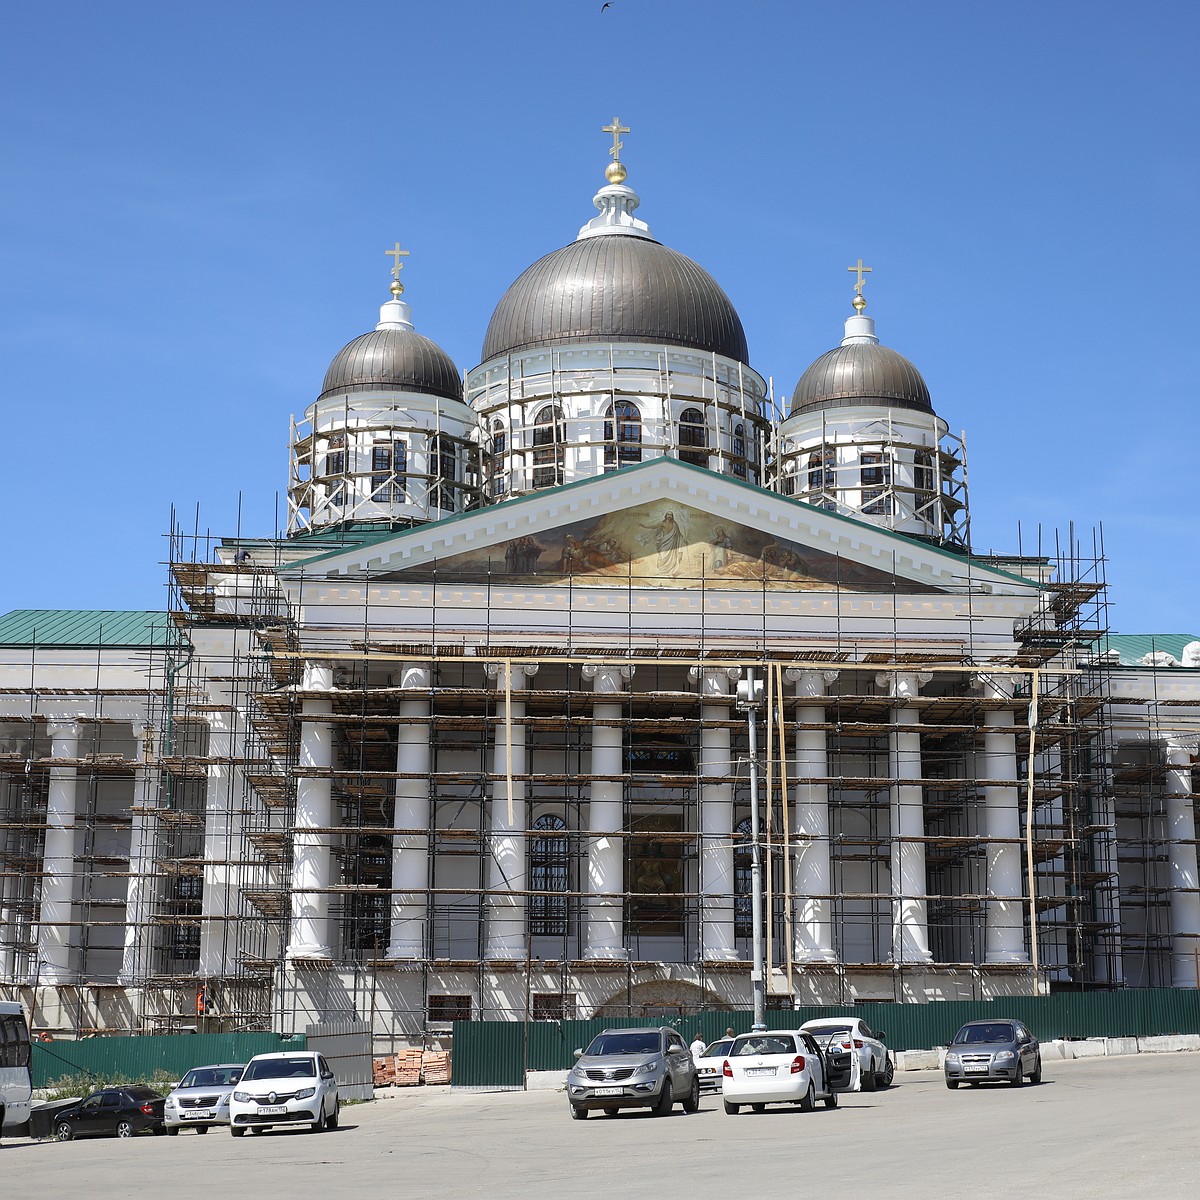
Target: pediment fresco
{"x": 663, "y": 544}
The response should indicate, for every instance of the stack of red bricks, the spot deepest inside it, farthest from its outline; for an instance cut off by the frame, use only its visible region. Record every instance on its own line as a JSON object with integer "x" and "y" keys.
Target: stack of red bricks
{"x": 435, "y": 1066}
{"x": 398, "y": 1070}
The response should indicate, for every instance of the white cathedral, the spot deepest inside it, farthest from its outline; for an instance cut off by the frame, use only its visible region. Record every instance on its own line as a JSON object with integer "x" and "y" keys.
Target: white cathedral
{"x": 468, "y": 741}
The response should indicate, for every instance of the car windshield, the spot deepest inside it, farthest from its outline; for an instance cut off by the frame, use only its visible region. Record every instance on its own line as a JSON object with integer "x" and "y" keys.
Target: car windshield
{"x": 767, "y": 1043}
{"x": 717, "y": 1049}
{"x": 211, "y": 1077}
{"x": 281, "y": 1068}
{"x": 624, "y": 1043}
{"x": 991, "y": 1032}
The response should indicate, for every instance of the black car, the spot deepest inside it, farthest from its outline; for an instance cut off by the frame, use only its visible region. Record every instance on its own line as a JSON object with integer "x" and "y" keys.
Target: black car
{"x": 112, "y": 1112}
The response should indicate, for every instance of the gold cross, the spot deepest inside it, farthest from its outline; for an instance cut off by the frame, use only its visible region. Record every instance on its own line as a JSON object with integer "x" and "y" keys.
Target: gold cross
{"x": 616, "y": 129}
{"x": 397, "y": 254}
{"x": 861, "y": 271}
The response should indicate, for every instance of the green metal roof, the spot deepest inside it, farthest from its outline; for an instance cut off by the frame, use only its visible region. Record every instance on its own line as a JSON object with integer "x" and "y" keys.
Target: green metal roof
{"x": 1133, "y": 647}
{"x": 83, "y": 627}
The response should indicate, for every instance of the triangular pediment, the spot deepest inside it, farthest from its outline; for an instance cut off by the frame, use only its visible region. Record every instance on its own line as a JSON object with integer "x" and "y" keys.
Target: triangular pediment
{"x": 664, "y": 524}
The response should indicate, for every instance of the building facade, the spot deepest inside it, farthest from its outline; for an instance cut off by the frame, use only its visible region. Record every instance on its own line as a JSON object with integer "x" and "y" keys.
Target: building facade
{"x": 469, "y": 740}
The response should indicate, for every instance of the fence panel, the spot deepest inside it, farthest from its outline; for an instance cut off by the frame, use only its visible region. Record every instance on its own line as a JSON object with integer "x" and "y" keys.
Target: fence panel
{"x": 346, "y": 1046}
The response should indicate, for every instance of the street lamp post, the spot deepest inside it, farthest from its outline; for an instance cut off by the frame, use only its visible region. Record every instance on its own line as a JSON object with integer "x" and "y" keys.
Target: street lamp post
{"x": 749, "y": 697}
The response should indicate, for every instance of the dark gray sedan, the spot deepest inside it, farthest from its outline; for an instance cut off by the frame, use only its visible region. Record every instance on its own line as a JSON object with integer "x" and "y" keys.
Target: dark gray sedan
{"x": 993, "y": 1051}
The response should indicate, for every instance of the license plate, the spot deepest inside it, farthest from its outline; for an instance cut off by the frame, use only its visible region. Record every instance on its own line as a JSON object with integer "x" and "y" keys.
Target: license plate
{"x": 271, "y": 1110}
{"x": 200, "y": 1114}
{"x": 975, "y": 1069}
{"x": 760, "y": 1070}
{"x": 609, "y": 1091}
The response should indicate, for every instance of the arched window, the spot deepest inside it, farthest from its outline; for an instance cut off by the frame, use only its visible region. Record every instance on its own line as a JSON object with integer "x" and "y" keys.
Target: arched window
{"x": 499, "y": 438}
{"x": 445, "y": 461}
{"x": 739, "y": 451}
{"x": 549, "y": 876}
{"x": 693, "y": 437}
{"x": 389, "y": 462}
{"x": 875, "y": 477}
{"x": 923, "y": 483}
{"x": 743, "y": 880}
{"x": 549, "y": 434}
{"x": 335, "y": 467}
{"x": 622, "y": 444}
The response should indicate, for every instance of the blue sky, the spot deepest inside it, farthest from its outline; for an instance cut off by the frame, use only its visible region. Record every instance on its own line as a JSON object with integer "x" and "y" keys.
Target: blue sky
{"x": 197, "y": 199}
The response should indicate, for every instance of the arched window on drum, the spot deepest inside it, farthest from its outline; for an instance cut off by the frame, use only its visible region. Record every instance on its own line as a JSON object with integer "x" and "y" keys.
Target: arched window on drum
{"x": 622, "y": 435}
{"x": 693, "y": 437}
{"x": 549, "y": 436}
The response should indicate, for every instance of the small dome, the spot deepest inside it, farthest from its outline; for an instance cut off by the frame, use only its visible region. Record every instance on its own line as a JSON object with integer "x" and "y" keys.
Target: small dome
{"x": 616, "y": 288}
{"x": 393, "y": 358}
{"x": 861, "y": 373}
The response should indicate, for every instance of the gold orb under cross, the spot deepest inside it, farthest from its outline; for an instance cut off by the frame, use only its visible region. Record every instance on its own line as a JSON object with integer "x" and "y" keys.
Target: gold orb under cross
{"x": 615, "y": 172}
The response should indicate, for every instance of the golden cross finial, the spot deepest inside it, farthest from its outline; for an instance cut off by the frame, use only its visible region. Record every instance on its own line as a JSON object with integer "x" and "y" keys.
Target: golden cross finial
{"x": 859, "y": 300}
{"x": 397, "y": 254}
{"x": 616, "y": 129}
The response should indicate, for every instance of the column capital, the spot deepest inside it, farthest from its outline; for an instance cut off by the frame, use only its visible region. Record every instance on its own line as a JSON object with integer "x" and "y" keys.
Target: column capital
{"x": 810, "y": 683}
{"x": 1184, "y": 748}
{"x": 415, "y": 675}
{"x": 608, "y": 677}
{"x": 318, "y": 677}
{"x": 64, "y": 730}
{"x": 903, "y": 685}
{"x": 495, "y": 670}
{"x": 714, "y": 681}
{"x": 995, "y": 687}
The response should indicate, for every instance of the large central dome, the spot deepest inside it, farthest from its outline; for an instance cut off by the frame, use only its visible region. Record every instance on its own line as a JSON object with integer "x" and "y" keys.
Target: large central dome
{"x": 616, "y": 288}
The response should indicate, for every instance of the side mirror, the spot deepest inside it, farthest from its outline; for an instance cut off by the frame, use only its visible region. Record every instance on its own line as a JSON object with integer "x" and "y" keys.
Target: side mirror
{"x": 578, "y": 1053}
{"x": 881, "y": 1036}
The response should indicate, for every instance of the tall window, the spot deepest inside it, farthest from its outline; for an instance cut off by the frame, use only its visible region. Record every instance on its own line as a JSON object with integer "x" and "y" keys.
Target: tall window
{"x": 743, "y": 881}
{"x": 389, "y": 462}
{"x": 442, "y": 451}
{"x": 788, "y": 486}
{"x": 693, "y": 437}
{"x": 739, "y": 451}
{"x": 549, "y": 434}
{"x": 875, "y": 477}
{"x": 549, "y": 875}
{"x": 822, "y": 478}
{"x": 499, "y": 438}
{"x": 622, "y": 435}
{"x": 923, "y": 481}
{"x": 335, "y": 467}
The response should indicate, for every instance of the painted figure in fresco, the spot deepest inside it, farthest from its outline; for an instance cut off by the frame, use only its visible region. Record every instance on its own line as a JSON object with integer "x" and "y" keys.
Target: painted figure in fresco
{"x": 670, "y": 540}
{"x": 721, "y": 544}
{"x": 574, "y": 556}
{"x": 521, "y": 555}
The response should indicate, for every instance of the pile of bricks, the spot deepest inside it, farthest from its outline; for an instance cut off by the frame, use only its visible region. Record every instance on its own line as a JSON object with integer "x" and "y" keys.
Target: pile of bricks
{"x": 399, "y": 1070}
{"x": 435, "y": 1066}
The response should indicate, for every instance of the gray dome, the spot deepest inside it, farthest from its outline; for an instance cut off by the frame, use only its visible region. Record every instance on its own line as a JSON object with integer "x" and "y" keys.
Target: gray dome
{"x": 615, "y": 288}
{"x": 393, "y": 358}
{"x": 861, "y": 373}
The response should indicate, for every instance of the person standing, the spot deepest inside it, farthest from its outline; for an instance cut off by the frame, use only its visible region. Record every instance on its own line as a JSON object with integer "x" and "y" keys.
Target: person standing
{"x": 698, "y": 1047}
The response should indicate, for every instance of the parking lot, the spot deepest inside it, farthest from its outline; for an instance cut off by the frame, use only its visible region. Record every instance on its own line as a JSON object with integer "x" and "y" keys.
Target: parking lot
{"x": 1106, "y": 1127}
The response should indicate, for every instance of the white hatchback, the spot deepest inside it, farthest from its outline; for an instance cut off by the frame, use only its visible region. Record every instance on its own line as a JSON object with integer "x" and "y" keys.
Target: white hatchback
{"x": 296, "y": 1088}
{"x": 780, "y": 1066}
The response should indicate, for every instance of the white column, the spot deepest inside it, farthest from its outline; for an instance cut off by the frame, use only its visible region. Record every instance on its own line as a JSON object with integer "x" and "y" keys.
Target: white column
{"x": 507, "y": 860}
{"x": 606, "y": 854}
{"x": 1181, "y": 835}
{"x": 1004, "y": 937}
{"x": 139, "y": 893}
{"x": 910, "y": 924}
{"x": 717, "y": 943}
{"x": 222, "y": 836}
{"x": 312, "y": 852}
{"x": 813, "y": 924}
{"x": 58, "y": 861}
{"x": 410, "y": 851}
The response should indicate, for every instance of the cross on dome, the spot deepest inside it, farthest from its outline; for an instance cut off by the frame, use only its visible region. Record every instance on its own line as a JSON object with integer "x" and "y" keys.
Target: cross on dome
{"x": 396, "y": 254}
{"x": 616, "y": 172}
{"x": 860, "y": 301}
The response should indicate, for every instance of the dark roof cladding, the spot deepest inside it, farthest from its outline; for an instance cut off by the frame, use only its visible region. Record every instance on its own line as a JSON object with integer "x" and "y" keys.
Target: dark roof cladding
{"x": 393, "y": 358}
{"x": 861, "y": 373}
{"x": 616, "y": 289}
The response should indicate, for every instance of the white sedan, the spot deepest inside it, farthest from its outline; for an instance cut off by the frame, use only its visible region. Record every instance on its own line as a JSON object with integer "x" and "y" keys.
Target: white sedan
{"x": 782, "y": 1066}
{"x": 841, "y": 1033}
{"x": 709, "y": 1064}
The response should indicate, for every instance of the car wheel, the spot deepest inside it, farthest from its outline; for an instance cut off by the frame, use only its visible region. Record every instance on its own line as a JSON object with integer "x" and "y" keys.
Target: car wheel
{"x": 665, "y": 1100}
{"x": 810, "y": 1099}
{"x": 203, "y": 1128}
{"x": 125, "y": 1129}
{"x": 831, "y": 1101}
{"x": 952, "y": 1084}
{"x": 868, "y": 1078}
{"x": 173, "y": 1131}
{"x": 63, "y": 1131}
{"x": 1036, "y": 1076}
{"x": 889, "y": 1072}
{"x": 331, "y": 1121}
{"x": 692, "y": 1103}
{"x": 1019, "y": 1077}
{"x": 236, "y": 1130}
{"x": 732, "y": 1109}
{"x": 578, "y": 1112}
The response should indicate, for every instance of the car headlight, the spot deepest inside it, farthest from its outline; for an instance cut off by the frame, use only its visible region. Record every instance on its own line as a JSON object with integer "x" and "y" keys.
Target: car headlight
{"x": 242, "y": 1097}
{"x": 304, "y": 1093}
{"x": 170, "y": 1102}
{"x": 1005, "y": 1055}
{"x": 953, "y": 1059}
{"x": 648, "y": 1068}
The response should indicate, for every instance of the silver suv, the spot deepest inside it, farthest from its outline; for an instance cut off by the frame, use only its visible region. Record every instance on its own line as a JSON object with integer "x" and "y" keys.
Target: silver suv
{"x": 633, "y": 1068}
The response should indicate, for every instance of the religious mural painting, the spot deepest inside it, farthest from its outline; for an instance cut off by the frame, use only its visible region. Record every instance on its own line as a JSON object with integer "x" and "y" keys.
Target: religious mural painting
{"x": 664, "y": 544}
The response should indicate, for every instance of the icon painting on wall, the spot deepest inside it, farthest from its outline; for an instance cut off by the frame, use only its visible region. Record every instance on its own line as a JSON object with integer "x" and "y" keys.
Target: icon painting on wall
{"x": 663, "y": 544}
